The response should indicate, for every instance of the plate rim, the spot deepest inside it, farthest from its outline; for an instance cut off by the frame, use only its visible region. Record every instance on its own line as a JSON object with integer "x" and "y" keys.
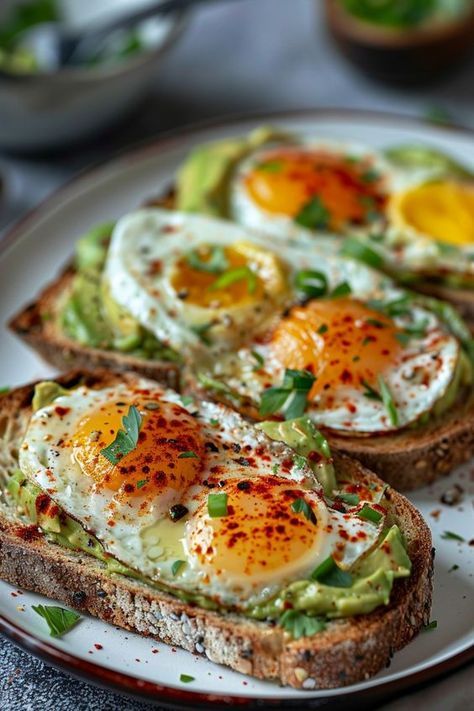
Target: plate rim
{"x": 127, "y": 683}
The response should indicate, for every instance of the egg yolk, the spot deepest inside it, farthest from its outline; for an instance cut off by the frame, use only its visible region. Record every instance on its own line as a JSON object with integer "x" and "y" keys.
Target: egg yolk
{"x": 156, "y": 464}
{"x": 347, "y": 192}
{"x": 442, "y": 210}
{"x": 340, "y": 341}
{"x": 261, "y": 534}
{"x": 197, "y": 282}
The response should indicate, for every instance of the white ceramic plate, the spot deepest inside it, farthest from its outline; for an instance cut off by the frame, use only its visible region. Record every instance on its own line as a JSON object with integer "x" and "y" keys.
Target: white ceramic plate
{"x": 30, "y": 257}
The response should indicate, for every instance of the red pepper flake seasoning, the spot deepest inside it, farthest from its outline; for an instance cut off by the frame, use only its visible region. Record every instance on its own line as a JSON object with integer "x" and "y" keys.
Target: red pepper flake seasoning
{"x": 436, "y": 514}
{"x": 62, "y": 411}
{"x": 98, "y": 646}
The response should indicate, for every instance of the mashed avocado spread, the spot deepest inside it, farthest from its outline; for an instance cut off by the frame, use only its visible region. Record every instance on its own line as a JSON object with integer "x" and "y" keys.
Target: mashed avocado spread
{"x": 367, "y": 586}
{"x": 91, "y": 317}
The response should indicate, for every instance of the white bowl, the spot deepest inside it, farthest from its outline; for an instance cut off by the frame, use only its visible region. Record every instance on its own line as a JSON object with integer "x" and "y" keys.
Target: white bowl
{"x": 43, "y": 111}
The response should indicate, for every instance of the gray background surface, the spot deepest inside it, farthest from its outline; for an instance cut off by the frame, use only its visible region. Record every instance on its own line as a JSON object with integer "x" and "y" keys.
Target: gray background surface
{"x": 251, "y": 55}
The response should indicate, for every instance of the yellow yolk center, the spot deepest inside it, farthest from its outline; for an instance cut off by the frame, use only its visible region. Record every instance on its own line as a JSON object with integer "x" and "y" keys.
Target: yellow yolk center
{"x": 236, "y": 283}
{"x": 287, "y": 180}
{"x": 442, "y": 210}
{"x": 341, "y": 341}
{"x": 261, "y": 534}
{"x": 154, "y": 465}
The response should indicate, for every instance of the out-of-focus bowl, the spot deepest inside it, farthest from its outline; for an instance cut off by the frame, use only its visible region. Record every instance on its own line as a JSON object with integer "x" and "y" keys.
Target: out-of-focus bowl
{"x": 408, "y": 56}
{"x": 44, "y": 111}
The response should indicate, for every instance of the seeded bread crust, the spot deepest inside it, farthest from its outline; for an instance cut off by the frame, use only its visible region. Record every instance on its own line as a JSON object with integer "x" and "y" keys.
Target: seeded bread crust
{"x": 348, "y": 651}
{"x": 38, "y": 325}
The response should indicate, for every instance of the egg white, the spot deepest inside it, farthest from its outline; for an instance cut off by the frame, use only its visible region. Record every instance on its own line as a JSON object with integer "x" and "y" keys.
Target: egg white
{"x": 148, "y": 541}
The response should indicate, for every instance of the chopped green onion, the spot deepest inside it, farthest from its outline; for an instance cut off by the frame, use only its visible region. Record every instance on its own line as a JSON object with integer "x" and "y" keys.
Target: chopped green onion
{"x": 313, "y": 215}
{"x": 188, "y": 455}
{"x": 450, "y": 536}
{"x": 388, "y": 401}
{"x": 234, "y": 275}
{"x": 258, "y": 360}
{"x": 177, "y": 565}
{"x": 430, "y": 626}
{"x": 217, "y": 505}
{"x": 186, "y": 678}
{"x": 141, "y": 483}
{"x": 329, "y": 573}
{"x": 351, "y": 499}
{"x": 369, "y": 514}
{"x": 352, "y": 247}
{"x": 216, "y": 263}
{"x": 311, "y": 283}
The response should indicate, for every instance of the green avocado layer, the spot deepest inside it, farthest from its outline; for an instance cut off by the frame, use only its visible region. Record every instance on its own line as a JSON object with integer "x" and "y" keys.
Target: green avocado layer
{"x": 91, "y": 317}
{"x": 371, "y": 578}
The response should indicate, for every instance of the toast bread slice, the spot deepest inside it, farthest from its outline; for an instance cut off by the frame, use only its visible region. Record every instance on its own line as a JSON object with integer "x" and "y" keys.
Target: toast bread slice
{"x": 347, "y": 651}
{"x": 37, "y": 324}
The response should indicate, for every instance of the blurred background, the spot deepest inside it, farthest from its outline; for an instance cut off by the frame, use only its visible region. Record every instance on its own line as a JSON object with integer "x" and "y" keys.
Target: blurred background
{"x": 211, "y": 60}
{"x": 203, "y": 62}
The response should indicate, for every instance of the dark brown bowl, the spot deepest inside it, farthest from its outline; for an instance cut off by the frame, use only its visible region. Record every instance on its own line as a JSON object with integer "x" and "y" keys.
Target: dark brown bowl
{"x": 408, "y": 56}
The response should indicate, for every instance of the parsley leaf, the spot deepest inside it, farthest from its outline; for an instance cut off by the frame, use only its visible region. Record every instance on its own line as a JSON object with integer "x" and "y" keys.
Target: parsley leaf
{"x": 302, "y": 506}
{"x": 314, "y": 214}
{"x": 234, "y": 275}
{"x": 356, "y": 249}
{"x": 300, "y": 625}
{"x": 216, "y": 264}
{"x": 58, "y": 619}
{"x": 291, "y": 397}
{"x": 450, "y": 536}
{"x": 126, "y": 440}
{"x": 329, "y": 573}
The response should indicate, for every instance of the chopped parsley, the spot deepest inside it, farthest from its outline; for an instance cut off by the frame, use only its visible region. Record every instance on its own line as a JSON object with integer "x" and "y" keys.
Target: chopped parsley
{"x": 127, "y": 439}
{"x": 313, "y": 215}
{"x": 188, "y": 455}
{"x": 186, "y": 678}
{"x": 291, "y": 397}
{"x": 388, "y": 401}
{"x": 58, "y": 619}
{"x": 312, "y": 283}
{"x": 329, "y": 573}
{"x": 213, "y": 422}
{"x": 300, "y": 625}
{"x": 450, "y": 536}
{"x": 141, "y": 483}
{"x": 217, "y": 505}
{"x": 354, "y": 248}
{"x": 234, "y": 275}
{"x": 324, "y": 328}
{"x": 177, "y": 565}
{"x": 453, "y": 567}
{"x": 430, "y": 626}
{"x": 370, "y": 514}
{"x": 302, "y": 506}
{"x": 215, "y": 264}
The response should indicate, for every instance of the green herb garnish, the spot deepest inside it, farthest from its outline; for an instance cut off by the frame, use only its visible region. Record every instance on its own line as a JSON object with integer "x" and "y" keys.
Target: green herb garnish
{"x": 202, "y": 332}
{"x": 302, "y": 506}
{"x": 216, "y": 264}
{"x": 370, "y": 392}
{"x": 258, "y": 360}
{"x": 450, "y": 536}
{"x": 141, "y": 483}
{"x": 216, "y": 385}
{"x": 352, "y": 247}
{"x": 270, "y": 166}
{"x": 58, "y": 619}
{"x": 234, "y": 275}
{"x": 217, "y": 505}
{"x": 351, "y": 499}
{"x": 312, "y": 283}
{"x": 291, "y": 397}
{"x": 370, "y": 514}
{"x": 329, "y": 573}
{"x": 127, "y": 439}
{"x": 314, "y": 215}
{"x": 430, "y": 626}
{"x": 177, "y": 565}
{"x": 388, "y": 401}
{"x": 453, "y": 567}
{"x": 186, "y": 678}
{"x": 188, "y": 455}
{"x": 300, "y": 625}
{"x": 4, "y": 390}
{"x": 342, "y": 289}
{"x": 323, "y": 328}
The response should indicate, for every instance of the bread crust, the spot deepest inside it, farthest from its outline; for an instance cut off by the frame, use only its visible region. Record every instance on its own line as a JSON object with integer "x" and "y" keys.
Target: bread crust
{"x": 37, "y": 325}
{"x": 348, "y": 651}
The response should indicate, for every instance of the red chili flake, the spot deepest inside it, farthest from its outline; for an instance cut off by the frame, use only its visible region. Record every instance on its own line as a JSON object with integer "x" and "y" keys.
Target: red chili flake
{"x": 436, "y": 514}
{"x": 61, "y": 411}
{"x": 98, "y": 646}
{"x": 28, "y": 533}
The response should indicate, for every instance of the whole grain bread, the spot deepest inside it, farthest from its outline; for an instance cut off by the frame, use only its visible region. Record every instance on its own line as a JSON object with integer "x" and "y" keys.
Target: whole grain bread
{"x": 349, "y": 650}
{"x": 38, "y": 325}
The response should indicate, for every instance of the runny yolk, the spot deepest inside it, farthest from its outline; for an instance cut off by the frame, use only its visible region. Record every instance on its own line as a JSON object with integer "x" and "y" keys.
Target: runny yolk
{"x": 261, "y": 534}
{"x": 287, "y": 180}
{"x": 442, "y": 210}
{"x": 341, "y": 341}
{"x": 154, "y": 465}
{"x": 200, "y": 287}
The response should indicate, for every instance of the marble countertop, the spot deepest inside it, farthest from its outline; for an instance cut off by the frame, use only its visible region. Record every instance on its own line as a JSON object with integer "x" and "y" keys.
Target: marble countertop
{"x": 272, "y": 55}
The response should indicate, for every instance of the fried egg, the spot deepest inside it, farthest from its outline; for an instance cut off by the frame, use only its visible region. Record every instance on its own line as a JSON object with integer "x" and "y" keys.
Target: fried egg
{"x": 372, "y": 372}
{"x": 290, "y": 189}
{"x": 152, "y": 508}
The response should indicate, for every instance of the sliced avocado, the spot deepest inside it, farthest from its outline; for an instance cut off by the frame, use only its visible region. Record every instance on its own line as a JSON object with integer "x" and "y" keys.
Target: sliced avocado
{"x": 372, "y": 581}
{"x": 45, "y": 393}
{"x": 202, "y": 183}
{"x": 82, "y": 316}
{"x": 301, "y": 435}
{"x": 416, "y": 156}
{"x": 91, "y": 249}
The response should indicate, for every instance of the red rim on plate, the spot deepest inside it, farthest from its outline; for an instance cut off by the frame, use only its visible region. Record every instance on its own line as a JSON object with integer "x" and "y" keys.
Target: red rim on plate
{"x": 175, "y": 697}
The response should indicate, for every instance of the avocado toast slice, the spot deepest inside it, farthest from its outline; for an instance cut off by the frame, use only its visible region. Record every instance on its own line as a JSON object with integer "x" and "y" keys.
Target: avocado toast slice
{"x": 343, "y": 651}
